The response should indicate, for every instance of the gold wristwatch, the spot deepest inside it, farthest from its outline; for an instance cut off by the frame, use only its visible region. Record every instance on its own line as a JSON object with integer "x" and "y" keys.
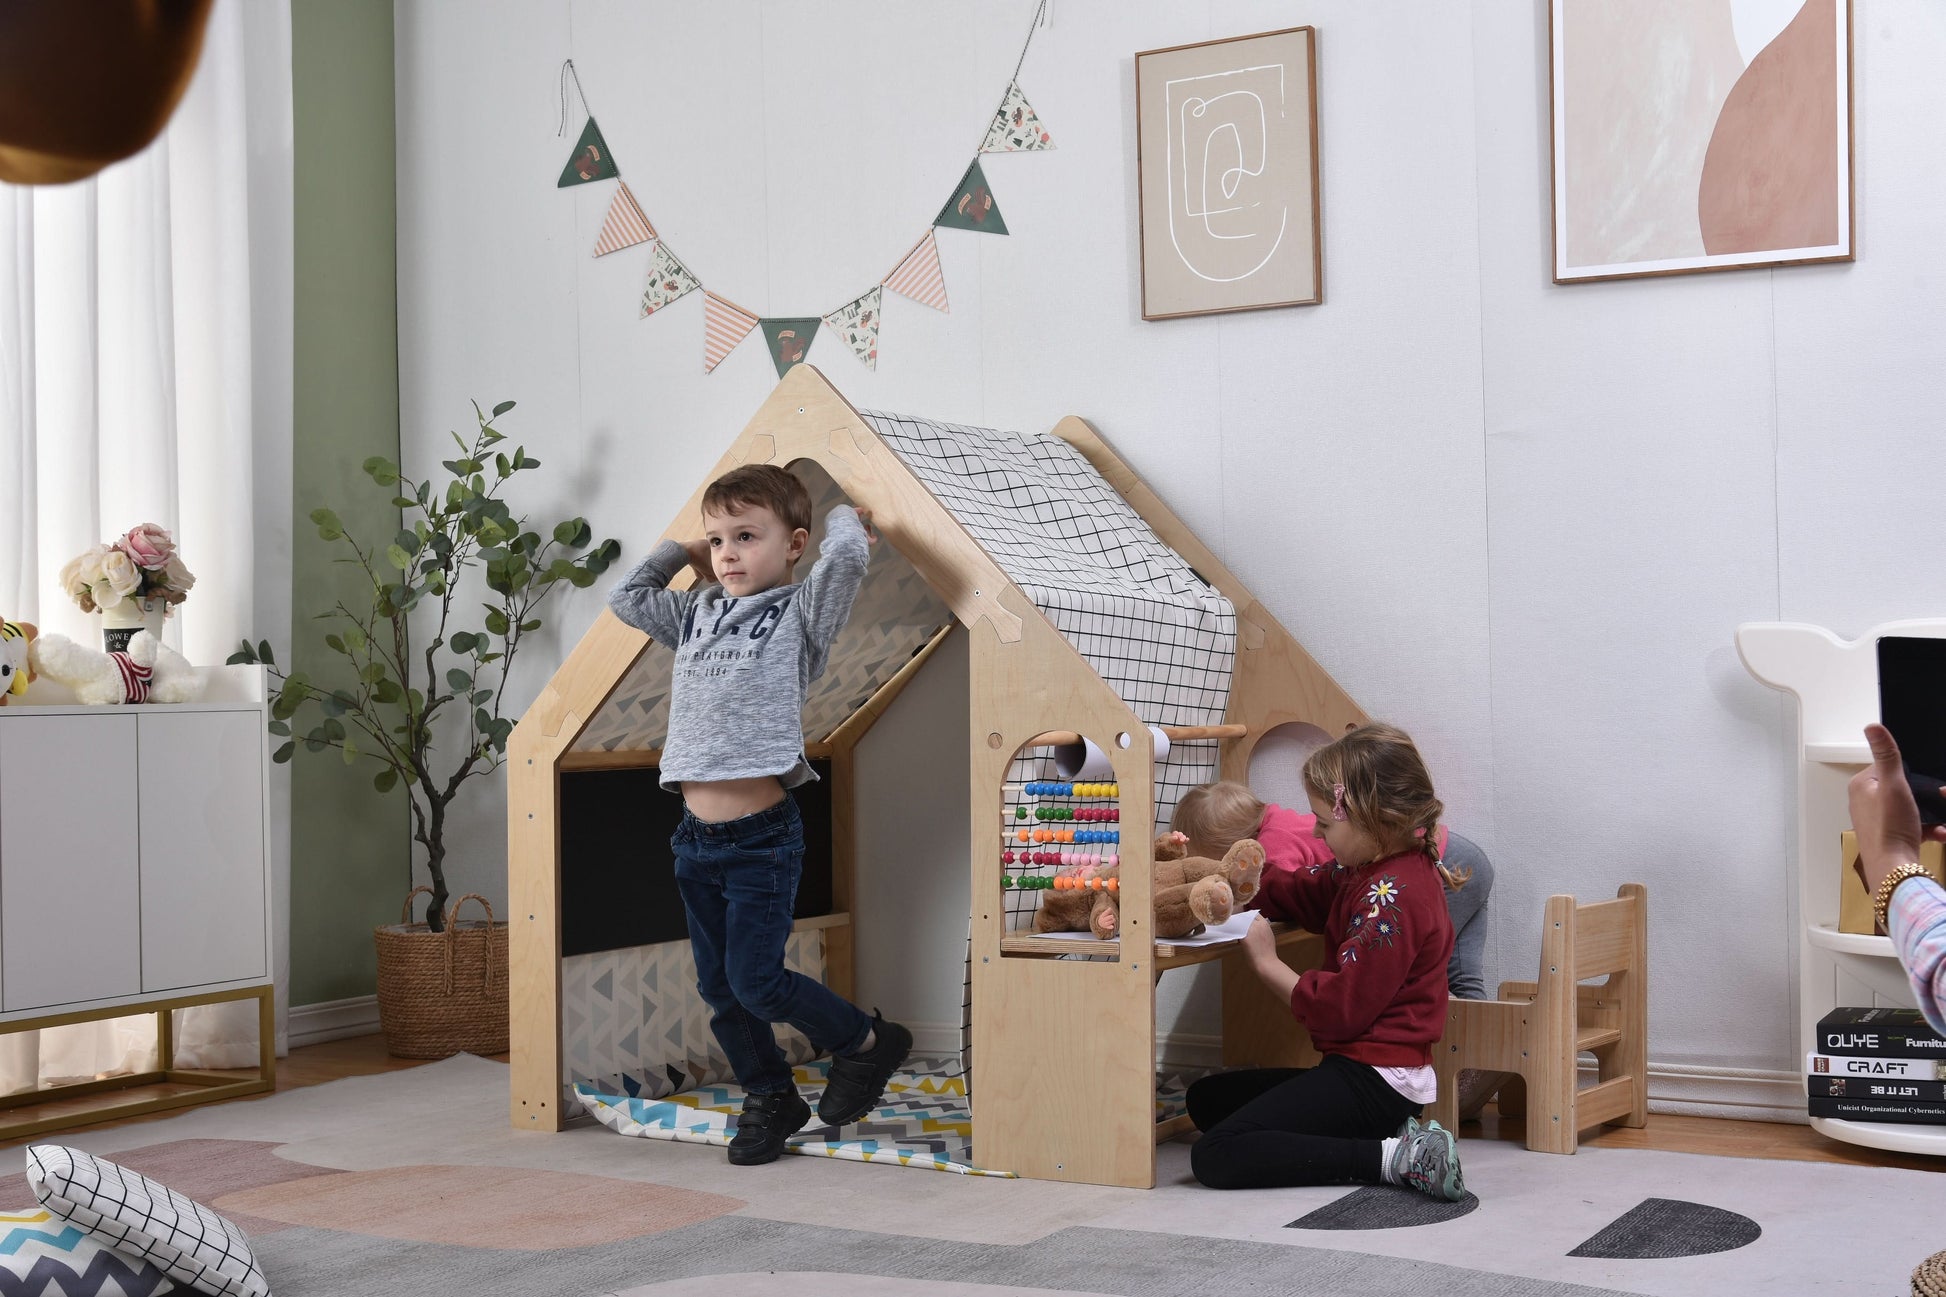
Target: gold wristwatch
{"x": 1882, "y": 898}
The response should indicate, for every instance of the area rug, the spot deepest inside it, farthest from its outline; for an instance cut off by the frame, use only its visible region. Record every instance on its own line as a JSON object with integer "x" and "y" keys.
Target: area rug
{"x": 922, "y": 1121}
{"x": 413, "y": 1182}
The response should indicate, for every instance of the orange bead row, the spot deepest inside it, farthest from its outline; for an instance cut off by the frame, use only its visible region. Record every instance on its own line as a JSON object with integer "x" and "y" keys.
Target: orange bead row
{"x": 1067, "y": 883}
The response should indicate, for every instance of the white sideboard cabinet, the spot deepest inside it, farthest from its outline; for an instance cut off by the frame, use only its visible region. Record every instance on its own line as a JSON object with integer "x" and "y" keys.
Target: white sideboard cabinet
{"x": 135, "y": 875}
{"x": 1836, "y": 685}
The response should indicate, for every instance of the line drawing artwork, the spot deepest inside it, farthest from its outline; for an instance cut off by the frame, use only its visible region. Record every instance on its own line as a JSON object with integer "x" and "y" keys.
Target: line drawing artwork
{"x": 1226, "y": 149}
{"x": 1216, "y": 133}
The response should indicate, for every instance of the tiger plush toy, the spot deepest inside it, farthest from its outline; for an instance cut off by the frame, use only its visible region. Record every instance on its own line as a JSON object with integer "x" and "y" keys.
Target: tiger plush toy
{"x": 15, "y": 639}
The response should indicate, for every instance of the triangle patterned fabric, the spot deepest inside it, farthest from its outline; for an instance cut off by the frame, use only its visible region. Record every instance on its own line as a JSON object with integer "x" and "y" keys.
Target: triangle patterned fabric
{"x": 918, "y": 275}
{"x": 626, "y": 224}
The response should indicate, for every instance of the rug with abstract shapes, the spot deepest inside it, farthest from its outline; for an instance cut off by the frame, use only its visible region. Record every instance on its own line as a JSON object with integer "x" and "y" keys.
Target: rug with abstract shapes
{"x": 413, "y": 1182}
{"x": 924, "y": 1120}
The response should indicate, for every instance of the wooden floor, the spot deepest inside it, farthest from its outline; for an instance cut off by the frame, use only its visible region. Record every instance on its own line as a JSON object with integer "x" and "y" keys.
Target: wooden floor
{"x": 365, "y": 1055}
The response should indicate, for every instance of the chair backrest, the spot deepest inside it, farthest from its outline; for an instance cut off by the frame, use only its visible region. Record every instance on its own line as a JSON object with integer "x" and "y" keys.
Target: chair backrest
{"x": 1607, "y": 934}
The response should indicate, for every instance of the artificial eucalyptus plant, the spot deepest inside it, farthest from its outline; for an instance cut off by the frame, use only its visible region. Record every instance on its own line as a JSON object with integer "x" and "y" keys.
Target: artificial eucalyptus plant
{"x": 414, "y": 653}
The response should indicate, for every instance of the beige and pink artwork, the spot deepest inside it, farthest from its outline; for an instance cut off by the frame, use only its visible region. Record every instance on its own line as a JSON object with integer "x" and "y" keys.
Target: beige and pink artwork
{"x": 1700, "y": 135}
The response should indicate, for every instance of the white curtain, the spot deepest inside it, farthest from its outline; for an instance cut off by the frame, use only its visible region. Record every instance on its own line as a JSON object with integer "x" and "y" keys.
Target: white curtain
{"x": 145, "y": 377}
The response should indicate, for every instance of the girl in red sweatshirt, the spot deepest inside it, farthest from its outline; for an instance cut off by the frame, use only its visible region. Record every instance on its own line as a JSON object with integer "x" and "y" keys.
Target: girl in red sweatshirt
{"x": 1373, "y": 885}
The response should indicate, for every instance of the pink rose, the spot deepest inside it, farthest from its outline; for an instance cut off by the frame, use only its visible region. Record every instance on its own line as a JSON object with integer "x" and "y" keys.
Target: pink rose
{"x": 176, "y": 580}
{"x": 149, "y": 545}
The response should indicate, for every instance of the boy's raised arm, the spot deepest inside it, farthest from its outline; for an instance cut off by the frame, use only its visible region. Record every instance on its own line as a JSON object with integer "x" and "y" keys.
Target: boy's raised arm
{"x": 644, "y": 600}
{"x": 824, "y": 597}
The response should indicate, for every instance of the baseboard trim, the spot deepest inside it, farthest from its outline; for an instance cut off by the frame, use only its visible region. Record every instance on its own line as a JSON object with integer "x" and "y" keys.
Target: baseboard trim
{"x": 1734, "y": 1093}
{"x": 313, "y": 1024}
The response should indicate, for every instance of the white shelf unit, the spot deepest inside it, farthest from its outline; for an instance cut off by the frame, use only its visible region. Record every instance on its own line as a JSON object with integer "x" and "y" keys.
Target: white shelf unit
{"x": 134, "y": 871}
{"x": 1835, "y": 682}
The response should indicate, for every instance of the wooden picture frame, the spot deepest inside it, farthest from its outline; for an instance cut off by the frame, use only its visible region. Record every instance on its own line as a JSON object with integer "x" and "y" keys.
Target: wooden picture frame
{"x": 1239, "y": 116}
{"x": 1682, "y": 140}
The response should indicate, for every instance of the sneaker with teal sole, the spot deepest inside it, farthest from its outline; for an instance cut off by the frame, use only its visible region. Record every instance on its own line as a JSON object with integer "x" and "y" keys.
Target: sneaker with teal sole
{"x": 1427, "y": 1159}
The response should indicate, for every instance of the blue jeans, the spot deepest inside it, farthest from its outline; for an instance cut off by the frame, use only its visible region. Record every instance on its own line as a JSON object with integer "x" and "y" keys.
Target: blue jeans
{"x": 738, "y": 881}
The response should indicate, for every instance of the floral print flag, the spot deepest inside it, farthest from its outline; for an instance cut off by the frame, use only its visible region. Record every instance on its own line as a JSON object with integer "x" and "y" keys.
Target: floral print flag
{"x": 972, "y": 207}
{"x": 591, "y": 161}
{"x": 857, "y": 323}
{"x": 1016, "y": 127}
{"x": 668, "y": 280}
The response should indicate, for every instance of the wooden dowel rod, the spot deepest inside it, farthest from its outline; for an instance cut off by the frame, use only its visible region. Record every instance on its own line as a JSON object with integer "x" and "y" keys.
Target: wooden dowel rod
{"x": 1174, "y": 733}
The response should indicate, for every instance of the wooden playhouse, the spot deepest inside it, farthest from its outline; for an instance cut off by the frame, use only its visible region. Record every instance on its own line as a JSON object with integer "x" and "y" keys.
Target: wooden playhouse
{"x": 1062, "y": 1051}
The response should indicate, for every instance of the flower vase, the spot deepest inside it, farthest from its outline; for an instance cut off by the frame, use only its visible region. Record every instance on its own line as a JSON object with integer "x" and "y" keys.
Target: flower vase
{"x": 120, "y": 623}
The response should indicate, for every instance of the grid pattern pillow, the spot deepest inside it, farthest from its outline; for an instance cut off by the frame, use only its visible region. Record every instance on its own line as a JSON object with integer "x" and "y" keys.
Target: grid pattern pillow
{"x": 141, "y": 1218}
{"x": 44, "y": 1256}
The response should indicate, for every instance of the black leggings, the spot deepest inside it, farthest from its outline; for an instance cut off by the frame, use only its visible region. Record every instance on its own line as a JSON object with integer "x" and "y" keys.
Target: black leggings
{"x": 1276, "y": 1126}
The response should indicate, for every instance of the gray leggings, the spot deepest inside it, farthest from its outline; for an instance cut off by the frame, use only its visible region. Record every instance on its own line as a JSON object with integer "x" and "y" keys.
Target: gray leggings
{"x": 1466, "y": 971}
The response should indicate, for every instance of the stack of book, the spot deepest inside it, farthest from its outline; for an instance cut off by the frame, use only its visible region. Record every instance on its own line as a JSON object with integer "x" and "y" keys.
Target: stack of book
{"x": 1878, "y": 1065}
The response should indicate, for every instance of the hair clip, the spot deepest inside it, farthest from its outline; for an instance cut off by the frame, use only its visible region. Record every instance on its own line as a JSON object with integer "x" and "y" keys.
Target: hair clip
{"x": 1338, "y": 803}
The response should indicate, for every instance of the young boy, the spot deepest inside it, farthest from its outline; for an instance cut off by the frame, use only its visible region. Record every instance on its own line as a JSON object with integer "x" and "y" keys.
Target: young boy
{"x": 747, "y": 646}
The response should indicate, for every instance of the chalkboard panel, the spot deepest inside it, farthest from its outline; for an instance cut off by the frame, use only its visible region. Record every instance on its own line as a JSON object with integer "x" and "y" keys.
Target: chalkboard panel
{"x": 618, "y": 883}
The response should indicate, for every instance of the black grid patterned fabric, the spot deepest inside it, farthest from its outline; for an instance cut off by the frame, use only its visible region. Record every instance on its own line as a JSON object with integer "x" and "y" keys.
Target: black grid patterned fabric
{"x": 1162, "y": 637}
{"x": 143, "y": 1219}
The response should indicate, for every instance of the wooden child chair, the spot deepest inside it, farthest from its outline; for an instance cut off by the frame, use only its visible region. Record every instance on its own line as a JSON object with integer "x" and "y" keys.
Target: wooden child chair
{"x": 1537, "y": 1030}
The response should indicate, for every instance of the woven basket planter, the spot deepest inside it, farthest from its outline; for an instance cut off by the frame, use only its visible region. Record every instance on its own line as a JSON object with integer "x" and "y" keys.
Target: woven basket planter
{"x": 443, "y": 993}
{"x": 1929, "y": 1280}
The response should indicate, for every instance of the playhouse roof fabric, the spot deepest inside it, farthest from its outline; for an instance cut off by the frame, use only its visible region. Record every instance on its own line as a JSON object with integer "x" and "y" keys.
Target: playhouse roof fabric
{"x": 1155, "y": 631}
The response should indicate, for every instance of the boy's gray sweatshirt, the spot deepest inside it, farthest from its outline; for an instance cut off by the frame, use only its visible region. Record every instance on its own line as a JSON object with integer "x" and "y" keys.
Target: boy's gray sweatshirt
{"x": 736, "y": 701}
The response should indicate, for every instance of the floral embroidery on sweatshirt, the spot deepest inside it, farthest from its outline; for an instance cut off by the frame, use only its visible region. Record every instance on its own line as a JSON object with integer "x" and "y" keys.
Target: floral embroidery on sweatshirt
{"x": 1377, "y": 922}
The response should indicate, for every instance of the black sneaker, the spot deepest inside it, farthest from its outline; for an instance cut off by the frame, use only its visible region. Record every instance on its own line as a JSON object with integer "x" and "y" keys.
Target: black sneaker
{"x": 857, "y": 1081}
{"x": 767, "y": 1121}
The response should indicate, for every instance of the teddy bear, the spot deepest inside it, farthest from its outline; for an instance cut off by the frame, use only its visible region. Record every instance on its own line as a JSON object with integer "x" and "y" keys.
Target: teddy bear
{"x": 150, "y": 671}
{"x": 16, "y": 658}
{"x": 1191, "y": 892}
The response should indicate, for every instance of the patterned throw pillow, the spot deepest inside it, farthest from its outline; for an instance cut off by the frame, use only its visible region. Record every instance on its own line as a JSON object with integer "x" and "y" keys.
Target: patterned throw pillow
{"x": 42, "y": 1255}
{"x": 141, "y": 1218}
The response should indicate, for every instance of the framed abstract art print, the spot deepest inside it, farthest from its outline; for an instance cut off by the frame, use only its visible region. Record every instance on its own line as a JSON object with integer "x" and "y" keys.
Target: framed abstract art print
{"x": 1227, "y": 150}
{"x": 1695, "y": 135}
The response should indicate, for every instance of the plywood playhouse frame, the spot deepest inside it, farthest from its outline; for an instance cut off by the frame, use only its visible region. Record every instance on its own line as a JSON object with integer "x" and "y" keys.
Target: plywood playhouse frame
{"x": 1063, "y": 1050}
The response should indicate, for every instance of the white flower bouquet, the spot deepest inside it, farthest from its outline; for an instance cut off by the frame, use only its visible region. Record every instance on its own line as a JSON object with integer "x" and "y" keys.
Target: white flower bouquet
{"x": 134, "y": 568}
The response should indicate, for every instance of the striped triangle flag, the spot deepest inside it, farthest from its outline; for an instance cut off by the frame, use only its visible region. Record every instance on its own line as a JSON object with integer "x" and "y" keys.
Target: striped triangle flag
{"x": 857, "y": 323}
{"x": 626, "y": 226}
{"x": 1016, "y": 127}
{"x": 918, "y": 275}
{"x": 724, "y": 325}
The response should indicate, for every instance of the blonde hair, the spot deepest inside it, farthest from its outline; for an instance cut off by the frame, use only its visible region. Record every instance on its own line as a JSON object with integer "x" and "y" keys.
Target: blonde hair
{"x": 1387, "y": 790}
{"x": 1215, "y": 817}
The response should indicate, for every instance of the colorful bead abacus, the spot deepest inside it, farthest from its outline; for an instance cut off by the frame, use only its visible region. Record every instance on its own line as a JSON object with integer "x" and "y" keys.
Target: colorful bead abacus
{"x": 1043, "y": 837}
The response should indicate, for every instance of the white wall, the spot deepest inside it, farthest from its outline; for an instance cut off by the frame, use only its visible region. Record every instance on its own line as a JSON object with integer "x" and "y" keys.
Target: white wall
{"x": 1521, "y": 520}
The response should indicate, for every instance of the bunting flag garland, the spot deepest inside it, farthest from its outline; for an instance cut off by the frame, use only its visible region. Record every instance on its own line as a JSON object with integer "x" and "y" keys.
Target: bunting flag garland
{"x": 857, "y": 323}
{"x": 918, "y": 275}
{"x": 626, "y": 226}
{"x": 1016, "y": 127}
{"x": 724, "y": 325}
{"x": 790, "y": 340}
{"x": 591, "y": 160}
{"x": 668, "y": 280}
{"x": 972, "y": 207}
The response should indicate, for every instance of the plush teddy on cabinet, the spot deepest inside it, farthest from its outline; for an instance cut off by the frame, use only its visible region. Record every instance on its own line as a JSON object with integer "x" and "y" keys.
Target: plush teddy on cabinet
{"x": 16, "y": 658}
{"x": 150, "y": 671}
{"x": 1191, "y": 892}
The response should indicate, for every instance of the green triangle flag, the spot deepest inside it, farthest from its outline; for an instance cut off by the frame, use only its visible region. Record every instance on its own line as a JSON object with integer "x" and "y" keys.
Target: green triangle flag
{"x": 790, "y": 340}
{"x": 972, "y": 207}
{"x": 591, "y": 160}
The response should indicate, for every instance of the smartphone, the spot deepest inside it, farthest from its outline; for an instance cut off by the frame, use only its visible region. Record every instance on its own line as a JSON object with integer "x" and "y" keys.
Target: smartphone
{"x": 1912, "y": 704}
